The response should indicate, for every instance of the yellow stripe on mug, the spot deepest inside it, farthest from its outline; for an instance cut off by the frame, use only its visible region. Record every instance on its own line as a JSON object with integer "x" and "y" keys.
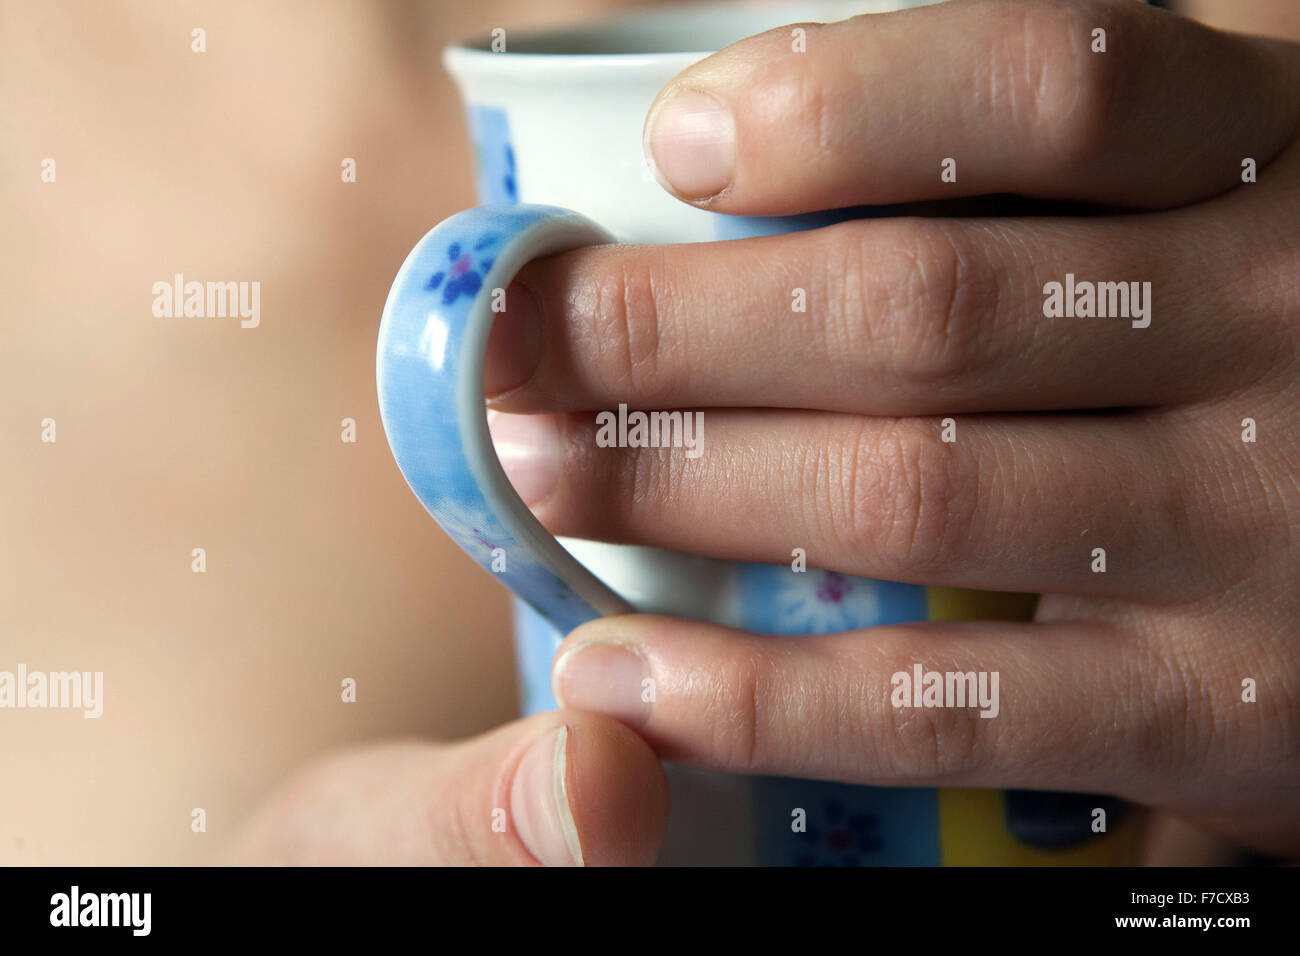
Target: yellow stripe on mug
{"x": 974, "y": 825}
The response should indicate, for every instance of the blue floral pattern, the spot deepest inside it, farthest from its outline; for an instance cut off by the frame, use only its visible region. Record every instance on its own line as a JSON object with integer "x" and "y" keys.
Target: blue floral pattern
{"x": 422, "y": 357}
{"x": 494, "y": 156}
{"x": 463, "y": 275}
{"x": 845, "y": 825}
{"x": 842, "y": 837}
{"x": 775, "y": 599}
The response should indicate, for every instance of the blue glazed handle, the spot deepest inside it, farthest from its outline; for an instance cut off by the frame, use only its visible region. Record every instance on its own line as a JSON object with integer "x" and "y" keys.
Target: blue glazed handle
{"x": 432, "y": 345}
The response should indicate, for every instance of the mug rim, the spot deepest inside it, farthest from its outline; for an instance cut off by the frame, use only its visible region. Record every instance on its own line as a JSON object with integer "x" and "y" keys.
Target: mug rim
{"x": 627, "y": 29}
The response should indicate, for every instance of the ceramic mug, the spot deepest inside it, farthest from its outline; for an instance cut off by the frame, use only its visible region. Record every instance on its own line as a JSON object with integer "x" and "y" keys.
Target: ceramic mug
{"x": 556, "y": 122}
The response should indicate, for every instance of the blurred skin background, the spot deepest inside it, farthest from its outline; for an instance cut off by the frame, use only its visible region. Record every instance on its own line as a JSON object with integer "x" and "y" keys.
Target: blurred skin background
{"x": 175, "y": 434}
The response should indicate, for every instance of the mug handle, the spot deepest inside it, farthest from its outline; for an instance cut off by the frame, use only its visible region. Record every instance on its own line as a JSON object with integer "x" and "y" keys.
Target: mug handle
{"x": 429, "y": 364}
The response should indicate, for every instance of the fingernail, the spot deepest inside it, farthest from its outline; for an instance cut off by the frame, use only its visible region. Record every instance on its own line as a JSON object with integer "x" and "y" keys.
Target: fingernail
{"x": 539, "y": 802}
{"x": 692, "y": 140}
{"x": 529, "y": 449}
{"x": 605, "y": 678}
{"x": 515, "y": 343}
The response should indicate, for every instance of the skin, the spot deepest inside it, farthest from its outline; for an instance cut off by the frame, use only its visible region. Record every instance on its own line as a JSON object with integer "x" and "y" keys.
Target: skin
{"x": 222, "y": 690}
{"x": 352, "y": 580}
{"x": 418, "y": 803}
{"x": 1128, "y": 682}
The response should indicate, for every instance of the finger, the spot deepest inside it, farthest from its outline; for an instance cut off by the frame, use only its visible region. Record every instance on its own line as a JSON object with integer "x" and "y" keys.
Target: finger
{"x": 1010, "y": 503}
{"x": 1015, "y": 92}
{"x": 558, "y": 789}
{"x": 1066, "y": 710}
{"x": 883, "y": 317}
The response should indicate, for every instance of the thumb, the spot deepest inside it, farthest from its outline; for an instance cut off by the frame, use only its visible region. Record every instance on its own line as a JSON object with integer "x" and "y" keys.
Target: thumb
{"x": 560, "y": 788}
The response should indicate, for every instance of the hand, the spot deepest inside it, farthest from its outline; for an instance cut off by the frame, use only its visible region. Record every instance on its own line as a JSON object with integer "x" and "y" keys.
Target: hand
{"x": 495, "y": 800}
{"x": 1072, "y": 433}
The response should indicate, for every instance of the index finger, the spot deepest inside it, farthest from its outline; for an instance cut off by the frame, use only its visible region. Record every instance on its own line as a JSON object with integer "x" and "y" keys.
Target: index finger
{"x": 1105, "y": 101}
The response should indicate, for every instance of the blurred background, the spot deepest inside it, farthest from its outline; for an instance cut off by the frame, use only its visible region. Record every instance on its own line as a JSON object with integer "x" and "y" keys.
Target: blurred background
{"x": 175, "y": 434}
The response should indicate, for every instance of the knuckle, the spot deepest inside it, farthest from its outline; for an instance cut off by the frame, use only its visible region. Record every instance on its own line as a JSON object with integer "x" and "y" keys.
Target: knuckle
{"x": 932, "y": 287}
{"x": 627, "y": 324}
{"x": 1222, "y": 727}
{"x": 910, "y": 495}
{"x": 1173, "y": 725}
{"x": 455, "y": 836}
{"x": 733, "y": 715}
{"x": 851, "y": 254}
{"x": 1261, "y": 730}
{"x": 1059, "y": 93}
{"x": 792, "y": 93}
{"x": 930, "y": 743}
{"x": 649, "y": 480}
{"x": 442, "y": 832}
{"x": 614, "y": 491}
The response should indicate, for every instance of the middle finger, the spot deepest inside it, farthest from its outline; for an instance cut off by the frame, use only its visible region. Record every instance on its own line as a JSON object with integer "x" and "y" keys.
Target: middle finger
{"x": 1012, "y": 503}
